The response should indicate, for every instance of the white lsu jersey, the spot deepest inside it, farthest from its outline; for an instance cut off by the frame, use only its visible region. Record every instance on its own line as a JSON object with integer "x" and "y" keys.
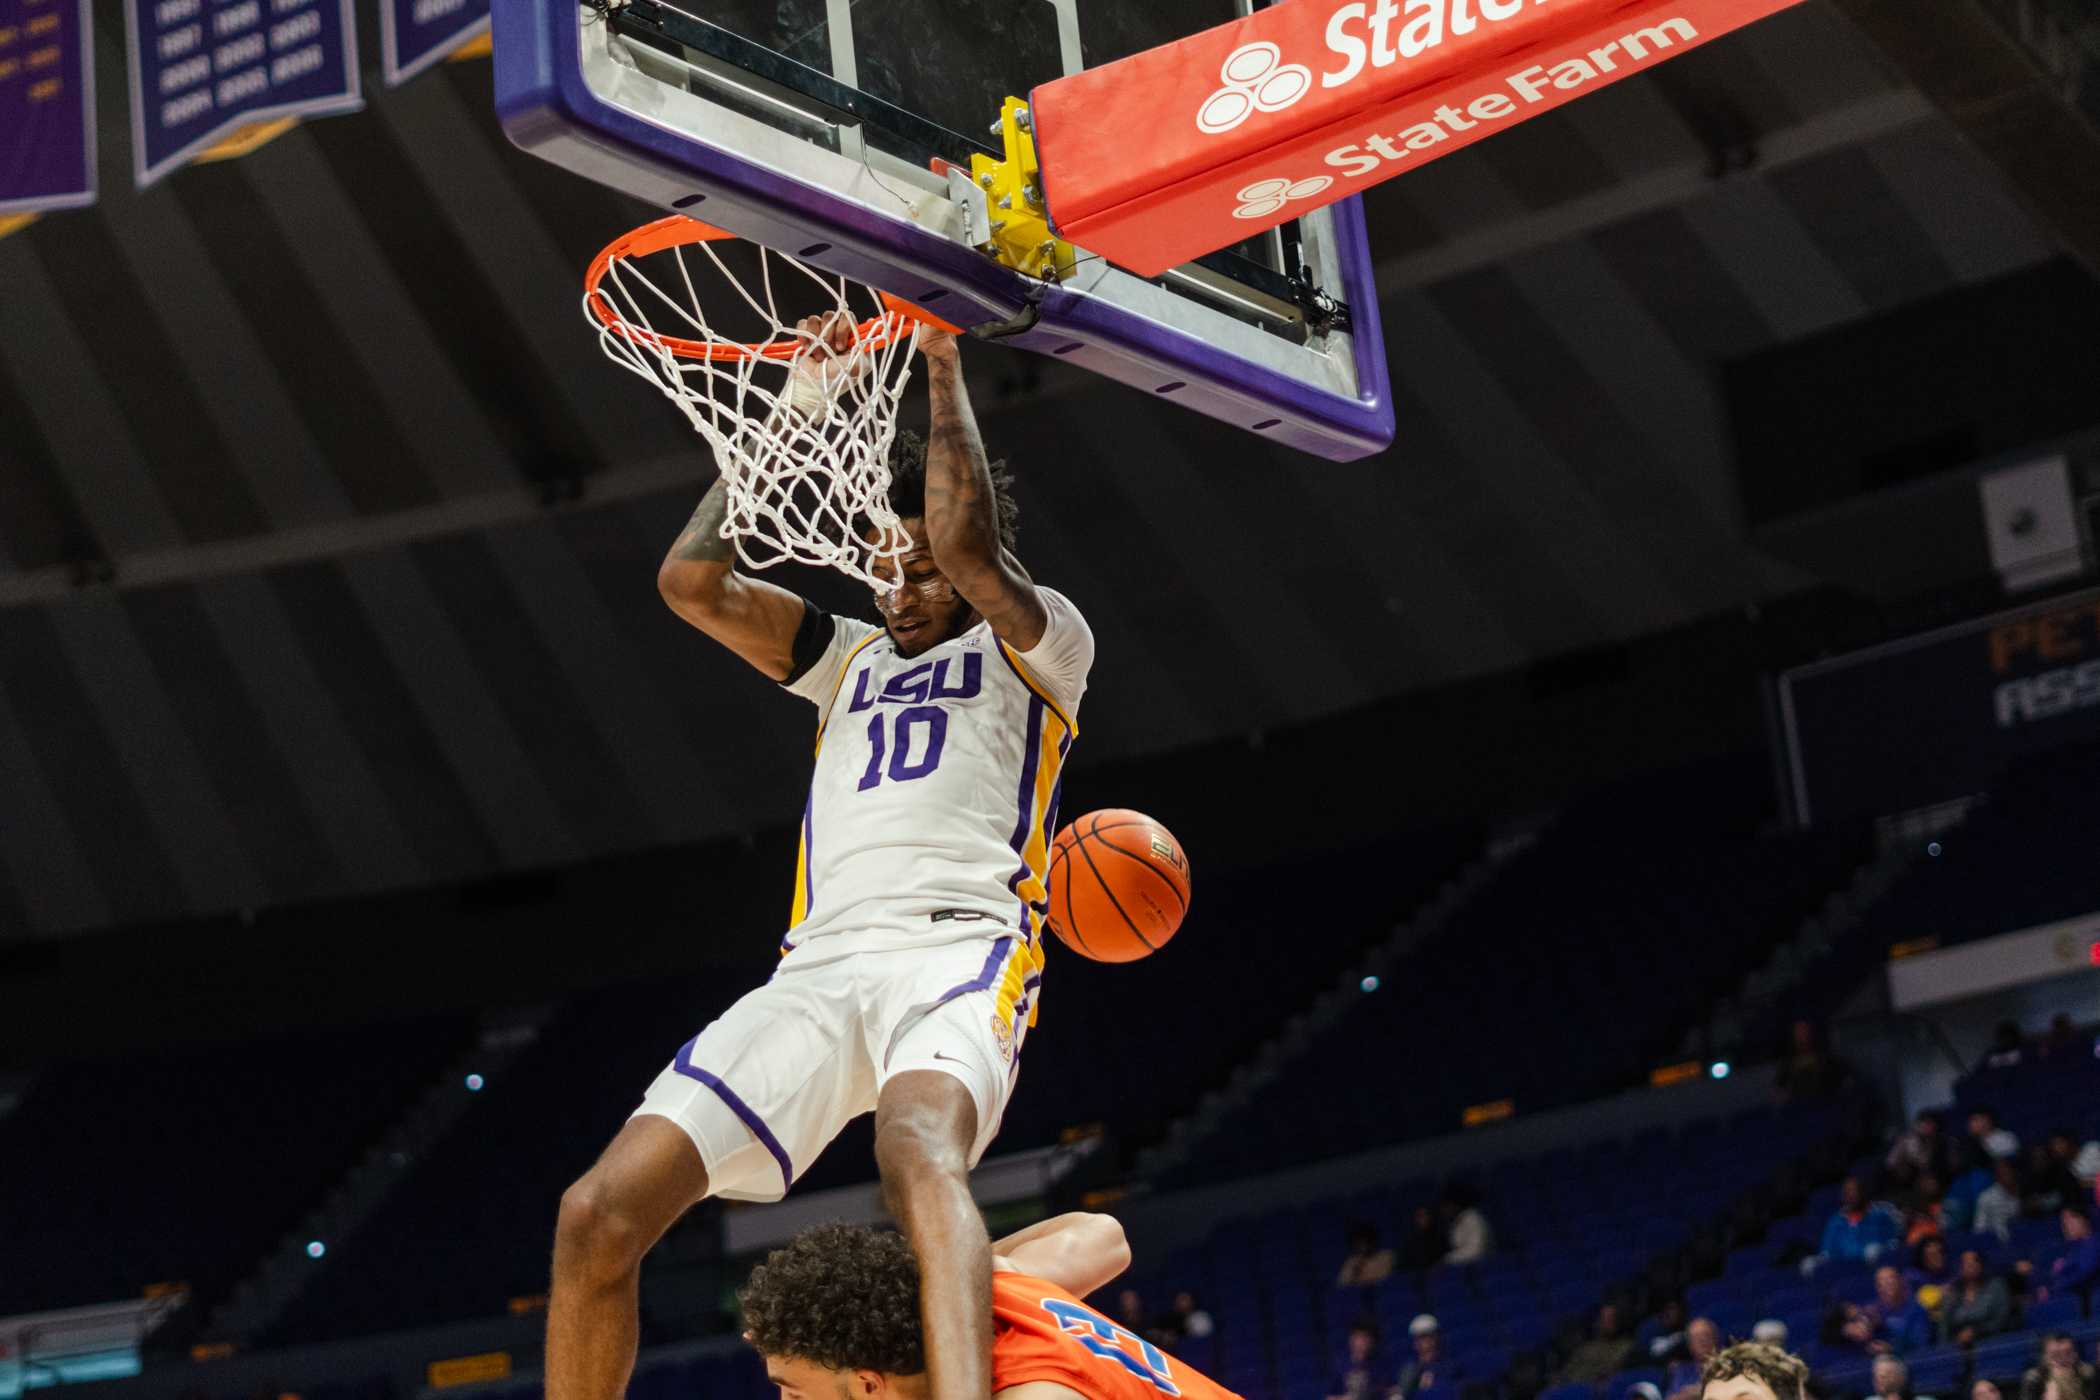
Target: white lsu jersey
{"x": 936, "y": 785}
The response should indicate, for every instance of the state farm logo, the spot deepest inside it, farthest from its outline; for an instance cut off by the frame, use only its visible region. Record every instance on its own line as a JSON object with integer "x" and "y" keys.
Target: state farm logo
{"x": 1265, "y": 197}
{"x": 1256, "y": 80}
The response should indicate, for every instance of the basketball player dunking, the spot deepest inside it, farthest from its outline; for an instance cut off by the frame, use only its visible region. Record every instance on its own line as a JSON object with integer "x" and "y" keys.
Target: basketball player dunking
{"x": 834, "y": 1313}
{"x": 910, "y": 974}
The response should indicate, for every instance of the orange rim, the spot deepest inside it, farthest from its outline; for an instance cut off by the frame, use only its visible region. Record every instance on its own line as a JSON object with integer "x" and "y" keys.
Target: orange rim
{"x": 678, "y": 231}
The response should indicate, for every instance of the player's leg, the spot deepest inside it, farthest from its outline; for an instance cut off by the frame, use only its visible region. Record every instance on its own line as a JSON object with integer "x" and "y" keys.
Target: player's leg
{"x": 610, "y": 1218}
{"x": 738, "y": 1111}
{"x": 946, "y": 1039}
{"x": 925, "y": 1123}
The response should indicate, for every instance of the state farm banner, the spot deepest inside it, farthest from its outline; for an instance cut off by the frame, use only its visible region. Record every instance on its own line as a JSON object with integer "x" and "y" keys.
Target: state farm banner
{"x": 47, "y": 105}
{"x": 1939, "y": 716}
{"x": 1196, "y": 145}
{"x": 201, "y": 69}
{"x": 417, "y": 33}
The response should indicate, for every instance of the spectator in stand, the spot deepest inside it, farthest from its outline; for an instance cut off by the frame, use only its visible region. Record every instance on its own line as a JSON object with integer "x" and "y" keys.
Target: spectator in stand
{"x": 1130, "y": 1311}
{"x": 1605, "y": 1353}
{"x": 1771, "y": 1331}
{"x": 1806, "y": 1069}
{"x": 1666, "y": 1343}
{"x": 1857, "y": 1229}
{"x": 1191, "y": 1321}
{"x": 2086, "y": 1165}
{"x": 1366, "y": 1263}
{"x": 1977, "y": 1306}
{"x": 1930, "y": 1273}
{"x": 2007, "y": 1049}
{"x": 1925, "y": 1211}
{"x": 1425, "y": 1243}
{"x": 1426, "y": 1367}
{"x": 1472, "y": 1238}
{"x": 2061, "y": 1043}
{"x": 1987, "y": 1141}
{"x": 1358, "y": 1378}
{"x": 2052, "y": 1181}
{"x": 1920, "y": 1150}
{"x": 1185, "y": 1331}
{"x": 2059, "y": 1361}
{"x": 2074, "y": 1271}
{"x": 1892, "y": 1380}
{"x": 1702, "y": 1342}
{"x": 1893, "y": 1322}
{"x": 1986, "y": 1390}
{"x": 1999, "y": 1205}
{"x": 1184, "y": 1325}
{"x": 1958, "y": 1205}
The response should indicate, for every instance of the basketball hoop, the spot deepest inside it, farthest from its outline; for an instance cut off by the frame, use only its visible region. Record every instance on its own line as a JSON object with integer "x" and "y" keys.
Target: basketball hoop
{"x": 800, "y": 431}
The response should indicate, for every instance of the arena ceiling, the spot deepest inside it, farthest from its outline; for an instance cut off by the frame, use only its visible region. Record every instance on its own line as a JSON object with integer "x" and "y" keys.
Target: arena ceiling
{"x": 327, "y": 539}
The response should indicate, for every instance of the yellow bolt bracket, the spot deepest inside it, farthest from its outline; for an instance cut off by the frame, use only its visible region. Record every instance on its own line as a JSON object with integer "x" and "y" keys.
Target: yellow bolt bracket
{"x": 1021, "y": 236}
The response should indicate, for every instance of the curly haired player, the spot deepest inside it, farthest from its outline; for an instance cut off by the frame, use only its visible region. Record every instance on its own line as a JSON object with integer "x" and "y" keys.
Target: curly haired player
{"x": 1754, "y": 1371}
{"x": 910, "y": 974}
{"x": 835, "y": 1314}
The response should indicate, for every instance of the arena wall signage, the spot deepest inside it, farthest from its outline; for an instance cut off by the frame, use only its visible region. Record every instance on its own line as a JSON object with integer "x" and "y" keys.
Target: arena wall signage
{"x": 1938, "y": 716}
{"x": 1309, "y": 101}
{"x": 47, "y": 106}
{"x": 203, "y": 69}
{"x": 414, "y": 34}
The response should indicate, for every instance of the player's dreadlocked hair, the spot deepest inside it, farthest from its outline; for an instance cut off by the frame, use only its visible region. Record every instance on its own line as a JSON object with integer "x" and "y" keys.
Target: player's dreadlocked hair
{"x": 908, "y": 485}
{"x": 843, "y": 1296}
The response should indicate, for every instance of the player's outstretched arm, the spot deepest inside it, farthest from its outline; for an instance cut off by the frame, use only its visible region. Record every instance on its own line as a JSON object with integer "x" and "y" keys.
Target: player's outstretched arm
{"x": 962, "y": 513}
{"x": 698, "y": 578}
{"x": 1077, "y": 1251}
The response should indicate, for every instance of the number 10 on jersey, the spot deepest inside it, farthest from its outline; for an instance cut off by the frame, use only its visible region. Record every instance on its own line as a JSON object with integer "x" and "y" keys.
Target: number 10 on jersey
{"x": 923, "y": 728}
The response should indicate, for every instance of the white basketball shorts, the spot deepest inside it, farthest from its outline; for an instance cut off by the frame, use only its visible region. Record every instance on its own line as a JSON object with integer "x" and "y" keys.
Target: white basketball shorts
{"x": 766, "y": 1087}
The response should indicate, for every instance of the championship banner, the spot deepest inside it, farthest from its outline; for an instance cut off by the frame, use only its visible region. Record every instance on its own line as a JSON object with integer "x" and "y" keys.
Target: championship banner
{"x": 203, "y": 69}
{"x": 47, "y": 105}
{"x": 1272, "y": 116}
{"x": 417, "y": 33}
{"x": 1939, "y": 716}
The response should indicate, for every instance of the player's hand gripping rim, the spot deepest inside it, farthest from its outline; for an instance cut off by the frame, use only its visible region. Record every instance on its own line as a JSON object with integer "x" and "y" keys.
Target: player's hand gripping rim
{"x": 937, "y": 345}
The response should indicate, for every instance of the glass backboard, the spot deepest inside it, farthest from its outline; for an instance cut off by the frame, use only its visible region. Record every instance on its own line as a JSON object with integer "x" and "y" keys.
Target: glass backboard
{"x": 828, "y": 129}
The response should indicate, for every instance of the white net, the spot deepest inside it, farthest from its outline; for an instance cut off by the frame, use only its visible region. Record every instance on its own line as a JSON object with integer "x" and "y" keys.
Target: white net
{"x": 800, "y": 427}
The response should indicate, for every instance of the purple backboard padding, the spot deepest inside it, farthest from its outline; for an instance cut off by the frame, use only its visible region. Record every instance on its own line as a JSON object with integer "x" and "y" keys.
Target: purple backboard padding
{"x": 547, "y": 109}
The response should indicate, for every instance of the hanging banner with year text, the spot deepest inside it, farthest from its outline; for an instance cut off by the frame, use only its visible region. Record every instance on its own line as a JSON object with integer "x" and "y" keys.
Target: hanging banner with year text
{"x": 417, "y": 33}
{"x": 47, "y": 105}
{"x": 201, "y": 69}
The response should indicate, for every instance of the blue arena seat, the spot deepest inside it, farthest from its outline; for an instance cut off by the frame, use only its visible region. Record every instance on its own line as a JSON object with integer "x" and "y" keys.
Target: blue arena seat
{"x": 1935, "y": 1372}
{"x": 1718, "y": 1293}
{"x": 2006, "y": 1357}
{"x": 1851, "y": 1375}
{"x": 2054, "y": 1312}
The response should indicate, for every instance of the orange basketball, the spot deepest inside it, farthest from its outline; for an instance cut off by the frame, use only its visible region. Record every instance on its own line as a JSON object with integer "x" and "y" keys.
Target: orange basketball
{"x": 1119, "y": 885}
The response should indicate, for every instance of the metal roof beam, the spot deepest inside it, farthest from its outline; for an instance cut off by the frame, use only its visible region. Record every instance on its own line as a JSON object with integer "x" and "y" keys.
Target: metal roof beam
{"x": 2004, "y": 100}
{"x": 1838, "y": 129}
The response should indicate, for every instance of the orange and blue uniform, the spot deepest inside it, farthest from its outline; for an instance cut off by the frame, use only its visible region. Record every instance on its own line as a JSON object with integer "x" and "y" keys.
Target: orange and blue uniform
{"x": 1043, "y": 1333}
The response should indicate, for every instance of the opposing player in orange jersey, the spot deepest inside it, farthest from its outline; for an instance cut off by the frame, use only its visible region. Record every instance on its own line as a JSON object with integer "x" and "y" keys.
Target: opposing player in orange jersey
{"x": 835, "y": 1314}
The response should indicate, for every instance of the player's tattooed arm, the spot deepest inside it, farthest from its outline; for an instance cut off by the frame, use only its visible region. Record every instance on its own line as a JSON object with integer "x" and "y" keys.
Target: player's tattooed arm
{"x": 962, "y": 510}
{"x": 701, "y": 541}
{"x": 698, "y": 579}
